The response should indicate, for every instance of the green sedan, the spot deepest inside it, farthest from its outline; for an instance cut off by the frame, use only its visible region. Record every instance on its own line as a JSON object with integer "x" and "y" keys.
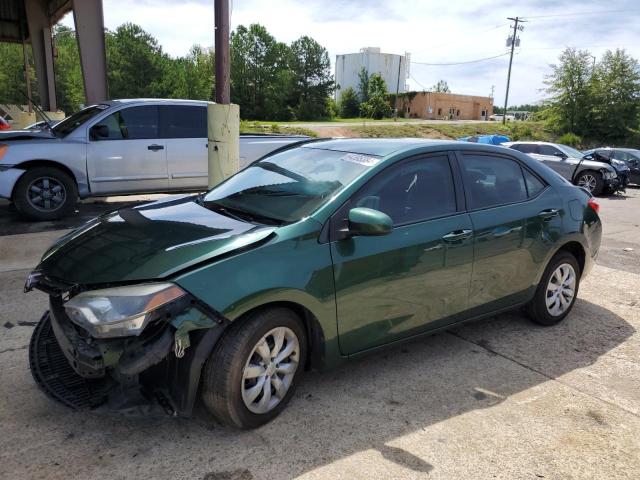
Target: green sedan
{"x": 314, "y": 255}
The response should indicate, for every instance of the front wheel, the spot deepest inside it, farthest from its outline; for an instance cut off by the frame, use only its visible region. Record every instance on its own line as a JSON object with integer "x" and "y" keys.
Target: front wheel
{"x": 253, "y": 371}
{"x": 45, "y": 193}
{"x": 592, "y": 181}
{"x": 557, "y": 290}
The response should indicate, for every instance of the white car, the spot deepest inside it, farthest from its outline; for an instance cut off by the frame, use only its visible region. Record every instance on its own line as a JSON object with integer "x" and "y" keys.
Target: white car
{"x": 117, "y": 147}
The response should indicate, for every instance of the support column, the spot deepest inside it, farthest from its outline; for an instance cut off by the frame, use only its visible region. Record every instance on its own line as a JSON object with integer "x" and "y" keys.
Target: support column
{"x": 40, "y": 33}
{"x": 89, "y": 22}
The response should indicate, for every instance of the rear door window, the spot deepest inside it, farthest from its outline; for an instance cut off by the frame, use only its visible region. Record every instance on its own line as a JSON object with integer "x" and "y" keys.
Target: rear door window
{"x": 491, "y": 181}
{"x": 183, "y": 121}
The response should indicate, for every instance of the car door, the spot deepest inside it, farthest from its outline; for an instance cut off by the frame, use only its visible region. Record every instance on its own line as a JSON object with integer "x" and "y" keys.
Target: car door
{"x": 516, "y": 219}
{"x": 558, "y": 160}
{"x": 417, "y": 277}
{"x": 125, "y": 153}
{"x": 184, "y": 129}
{"x": 632, "y": 162}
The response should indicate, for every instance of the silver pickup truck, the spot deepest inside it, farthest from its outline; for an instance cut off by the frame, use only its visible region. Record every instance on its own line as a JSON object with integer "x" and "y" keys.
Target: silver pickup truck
{"x": 118, "y": 147}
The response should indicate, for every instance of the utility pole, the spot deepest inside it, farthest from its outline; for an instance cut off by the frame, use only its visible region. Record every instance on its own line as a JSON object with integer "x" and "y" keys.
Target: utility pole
{"x": 395, "y": 114}
{"x": 223, "y": 117}
{"x": 512, "y": 40}
{"x": 223, "y": 75}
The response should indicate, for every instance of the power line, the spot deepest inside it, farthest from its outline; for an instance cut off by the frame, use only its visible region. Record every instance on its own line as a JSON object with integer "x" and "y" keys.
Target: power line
{"x": 460, "y": 63}
{"x": 579, "y": 14}
{"x": 460, "y": 39}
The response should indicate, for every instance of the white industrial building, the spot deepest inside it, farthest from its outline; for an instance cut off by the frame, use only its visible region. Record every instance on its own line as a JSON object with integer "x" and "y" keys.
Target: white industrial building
{"x": 394, "y": 69}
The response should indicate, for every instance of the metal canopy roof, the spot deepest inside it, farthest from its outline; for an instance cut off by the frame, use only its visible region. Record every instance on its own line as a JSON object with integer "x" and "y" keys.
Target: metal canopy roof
{"x": 13, "y": 17}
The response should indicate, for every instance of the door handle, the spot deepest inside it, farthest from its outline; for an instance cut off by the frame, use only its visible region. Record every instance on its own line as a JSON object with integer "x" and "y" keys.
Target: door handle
{"x": 155, "y": 148}
{"x": 549, "y": 213}
{"x": 457, "y": 235}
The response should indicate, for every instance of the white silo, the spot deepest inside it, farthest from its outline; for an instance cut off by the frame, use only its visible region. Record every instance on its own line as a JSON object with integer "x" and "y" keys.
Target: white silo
{"x": 393, "y": 69}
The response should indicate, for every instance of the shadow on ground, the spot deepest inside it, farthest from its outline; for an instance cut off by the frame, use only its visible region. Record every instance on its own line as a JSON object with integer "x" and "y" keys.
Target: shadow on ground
{"x": 11, "y": 223}
{"x": 362, "y": 406}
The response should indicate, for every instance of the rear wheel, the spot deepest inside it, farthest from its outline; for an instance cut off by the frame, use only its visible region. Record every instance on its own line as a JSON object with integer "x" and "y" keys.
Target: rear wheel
{"x": 591, "y": 180}
{"x": 45, "y": 193}
{"x": 254, "y": 369}
{"x": 557, "y": 290}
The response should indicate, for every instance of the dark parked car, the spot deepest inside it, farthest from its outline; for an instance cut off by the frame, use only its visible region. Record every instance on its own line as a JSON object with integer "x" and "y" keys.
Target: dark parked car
{"x": 595, "y": 176}
{"x": 309, "y": 257}
{"x": 621, "y": 156}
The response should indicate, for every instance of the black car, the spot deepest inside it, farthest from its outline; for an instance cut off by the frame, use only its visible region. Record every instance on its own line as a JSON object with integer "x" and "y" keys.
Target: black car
{"x": 628, "y": 157}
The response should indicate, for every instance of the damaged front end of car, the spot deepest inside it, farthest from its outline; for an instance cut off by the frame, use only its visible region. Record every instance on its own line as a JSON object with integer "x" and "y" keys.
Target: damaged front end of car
{"x": 133, "y": 348}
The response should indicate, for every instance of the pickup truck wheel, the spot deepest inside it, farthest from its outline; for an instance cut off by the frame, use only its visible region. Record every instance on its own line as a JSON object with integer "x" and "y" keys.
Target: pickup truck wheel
{"x": 557, "y": 290}
{"x": 45, "y": 193}
{"x": 590, "y": 180}
{"x": 255, "y": 367}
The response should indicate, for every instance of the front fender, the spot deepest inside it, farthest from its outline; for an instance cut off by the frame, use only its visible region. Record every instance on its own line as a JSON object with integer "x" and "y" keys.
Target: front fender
{"x": 297, "y": 270}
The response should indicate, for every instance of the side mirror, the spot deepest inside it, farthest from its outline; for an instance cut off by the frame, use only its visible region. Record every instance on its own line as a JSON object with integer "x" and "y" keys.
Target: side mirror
{"x": 560, "y": 155}
{"x": 99, "y": 131}
{"x": 368, "y": 222}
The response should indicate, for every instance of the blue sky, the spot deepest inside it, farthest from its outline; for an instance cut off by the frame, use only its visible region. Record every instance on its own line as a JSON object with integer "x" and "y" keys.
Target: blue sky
{"x": 432, "y": 31}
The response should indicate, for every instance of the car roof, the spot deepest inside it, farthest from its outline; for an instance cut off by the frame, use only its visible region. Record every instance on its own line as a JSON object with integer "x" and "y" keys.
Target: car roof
{"x": 169, "y": 101}
{"x": 380, "y": 147}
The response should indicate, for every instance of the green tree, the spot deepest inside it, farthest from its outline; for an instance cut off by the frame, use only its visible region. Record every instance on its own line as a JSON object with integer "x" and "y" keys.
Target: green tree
{"x": 13, "y": 87}
{"x": 194, "y": 74}
{"x": 363, "y": 85}
{"x": 377, "y": 106}
{"x": 69, "y": 84}
{"x": 136, "y": 64}
{"x": 616, "y": 96}
{"x": 312, "y": 79}
{"x": 570, "y": 89}
{"x": 349, "y": 104}
{"x": 260, "y": 82}
{"x": 442, "y": 87}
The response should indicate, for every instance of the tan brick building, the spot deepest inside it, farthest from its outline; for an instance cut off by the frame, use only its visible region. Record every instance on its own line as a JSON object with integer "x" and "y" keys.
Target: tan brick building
{"x": 444, "y": 106}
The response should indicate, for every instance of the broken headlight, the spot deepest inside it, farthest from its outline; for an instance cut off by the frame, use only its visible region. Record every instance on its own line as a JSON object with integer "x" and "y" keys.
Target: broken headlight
{"x": 609, "y": 175}
{"x": 120, "y": 311}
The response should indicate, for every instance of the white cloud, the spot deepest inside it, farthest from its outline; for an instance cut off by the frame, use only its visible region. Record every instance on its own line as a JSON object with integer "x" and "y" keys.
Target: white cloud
{"x": 433, "y": 31}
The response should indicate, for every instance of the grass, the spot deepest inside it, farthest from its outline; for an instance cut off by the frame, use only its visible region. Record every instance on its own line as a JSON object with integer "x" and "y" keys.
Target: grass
{"x": 269, "y": 127}
{"x": 514, "y": 130}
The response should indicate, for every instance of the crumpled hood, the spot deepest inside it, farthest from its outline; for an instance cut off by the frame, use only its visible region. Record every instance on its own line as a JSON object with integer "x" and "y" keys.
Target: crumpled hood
{"x": 147, "y": 242}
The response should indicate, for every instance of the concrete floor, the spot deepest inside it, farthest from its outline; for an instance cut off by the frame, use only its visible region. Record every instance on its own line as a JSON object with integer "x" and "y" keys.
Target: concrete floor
{"x": 497, "y": 399}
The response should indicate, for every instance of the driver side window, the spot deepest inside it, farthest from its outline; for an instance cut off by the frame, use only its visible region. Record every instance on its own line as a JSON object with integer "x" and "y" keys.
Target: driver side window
{"x": 132, "y": 123}
{"x": 412, "y": 191}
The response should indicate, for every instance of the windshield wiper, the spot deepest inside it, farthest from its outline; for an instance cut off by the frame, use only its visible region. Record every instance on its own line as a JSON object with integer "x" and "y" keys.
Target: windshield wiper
{"x": 242, "y": 215}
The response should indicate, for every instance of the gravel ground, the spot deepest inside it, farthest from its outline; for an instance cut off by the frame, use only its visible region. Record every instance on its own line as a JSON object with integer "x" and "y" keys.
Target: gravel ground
{"x": 496, "y": 399}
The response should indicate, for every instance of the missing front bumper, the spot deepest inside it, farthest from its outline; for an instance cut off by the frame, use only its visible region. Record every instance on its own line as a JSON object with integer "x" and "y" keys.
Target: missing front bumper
{"x": 152, "y": 381}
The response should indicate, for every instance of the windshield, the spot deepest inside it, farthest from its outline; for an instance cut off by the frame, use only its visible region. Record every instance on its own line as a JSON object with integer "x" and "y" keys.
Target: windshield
{"x": 288, "y": 186}
{"x": 572, "y": 152}
{"x": 69, "y": 124}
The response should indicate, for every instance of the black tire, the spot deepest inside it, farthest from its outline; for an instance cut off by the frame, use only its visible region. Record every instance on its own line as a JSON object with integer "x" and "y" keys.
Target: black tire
{"x": 58, "y": 179}
{"x": 222, "y": 378}
{"x": 537, "y": 308}
{"x": 599, "y": 182}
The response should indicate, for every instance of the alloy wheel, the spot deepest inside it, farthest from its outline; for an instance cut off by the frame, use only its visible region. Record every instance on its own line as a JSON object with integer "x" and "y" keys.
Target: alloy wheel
{"x": 46, "y": 194}
{"x": 561, "y": 289}
{"x": 588, "y": 181}
{"x": 269, "y": 370}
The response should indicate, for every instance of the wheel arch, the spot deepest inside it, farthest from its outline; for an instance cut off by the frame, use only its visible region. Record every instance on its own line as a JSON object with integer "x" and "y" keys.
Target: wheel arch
{"x": 316, "y": 341}
{"x": 29, "y": 164}
{"x": 577, "y": 250}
